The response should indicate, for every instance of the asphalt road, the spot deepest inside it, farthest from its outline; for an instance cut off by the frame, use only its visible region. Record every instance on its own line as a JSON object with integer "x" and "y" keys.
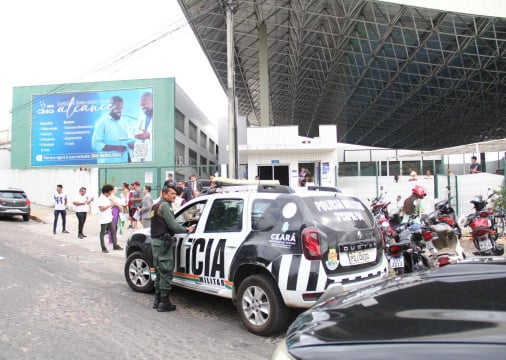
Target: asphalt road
{"x": 61, "y": 298}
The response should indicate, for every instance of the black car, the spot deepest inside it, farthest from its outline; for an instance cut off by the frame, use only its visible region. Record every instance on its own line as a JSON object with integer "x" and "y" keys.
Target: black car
{"x": 14, "y": 202}
{"x": 454, "y": 312}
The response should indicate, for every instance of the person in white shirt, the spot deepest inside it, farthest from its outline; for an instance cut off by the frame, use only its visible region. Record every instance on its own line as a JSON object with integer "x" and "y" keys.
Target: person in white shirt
{"x": 60, "y": 208}
{"x": 105, "y": 206}
{"x": 81, "y": 202}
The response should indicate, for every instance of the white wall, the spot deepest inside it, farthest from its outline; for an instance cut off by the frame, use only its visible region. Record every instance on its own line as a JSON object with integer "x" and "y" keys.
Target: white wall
{"x": 40, "y": 184}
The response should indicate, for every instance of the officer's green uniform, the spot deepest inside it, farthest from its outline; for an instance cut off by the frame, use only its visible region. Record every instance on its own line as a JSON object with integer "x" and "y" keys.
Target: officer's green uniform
{"x": 163, "y": 222}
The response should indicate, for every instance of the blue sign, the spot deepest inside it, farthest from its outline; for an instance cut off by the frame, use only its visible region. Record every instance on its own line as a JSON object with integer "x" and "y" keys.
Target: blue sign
{"x": 102, "y": 127}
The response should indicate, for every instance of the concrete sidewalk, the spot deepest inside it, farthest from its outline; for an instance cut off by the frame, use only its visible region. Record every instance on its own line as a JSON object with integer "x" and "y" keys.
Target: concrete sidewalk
{"x": 45, "y": 216}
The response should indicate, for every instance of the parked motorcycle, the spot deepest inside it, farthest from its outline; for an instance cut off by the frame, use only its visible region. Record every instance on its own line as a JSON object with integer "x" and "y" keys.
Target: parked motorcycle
{"x": 483, "y": 232}
{"x": 379, "y": 207}
{"x": 444, "y": 213}
{"x": 444, "y": 235}
{"x": 406, "y": 252}
{"x": 443, "y": 243}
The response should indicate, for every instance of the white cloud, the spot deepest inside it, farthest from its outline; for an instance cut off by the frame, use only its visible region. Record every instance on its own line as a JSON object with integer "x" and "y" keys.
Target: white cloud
{"x": 57, "y": 41}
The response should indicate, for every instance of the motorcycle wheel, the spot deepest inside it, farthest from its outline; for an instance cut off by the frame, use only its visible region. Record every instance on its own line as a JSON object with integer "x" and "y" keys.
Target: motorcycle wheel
{"x": 499, "y": 249}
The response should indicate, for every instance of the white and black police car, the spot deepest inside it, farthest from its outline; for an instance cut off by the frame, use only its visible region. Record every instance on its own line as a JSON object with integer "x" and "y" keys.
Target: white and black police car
{"x": 267, "y": 248}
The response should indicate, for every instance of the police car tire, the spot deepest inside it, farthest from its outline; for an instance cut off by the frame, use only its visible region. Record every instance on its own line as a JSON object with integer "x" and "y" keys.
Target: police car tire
{"x": 144, "y": 264}
{"x": 263, "y": 289}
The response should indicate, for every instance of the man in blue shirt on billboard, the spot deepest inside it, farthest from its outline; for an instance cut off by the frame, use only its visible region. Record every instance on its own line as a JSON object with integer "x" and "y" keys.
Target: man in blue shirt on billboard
{"x": 110, "y": 136}
{"x": 143, "y": 131}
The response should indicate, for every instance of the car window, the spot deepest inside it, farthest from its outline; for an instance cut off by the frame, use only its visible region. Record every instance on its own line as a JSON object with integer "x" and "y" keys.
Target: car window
{"x": 190, "y": 213}
{"x": 344, "y": 213}
{"x": 11, "y": 195}
{"x": 225, "y": 216}
{"x": 265, "y": 214}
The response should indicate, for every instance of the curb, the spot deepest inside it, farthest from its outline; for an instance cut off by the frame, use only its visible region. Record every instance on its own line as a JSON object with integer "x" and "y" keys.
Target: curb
{"x": 38, "y": 219}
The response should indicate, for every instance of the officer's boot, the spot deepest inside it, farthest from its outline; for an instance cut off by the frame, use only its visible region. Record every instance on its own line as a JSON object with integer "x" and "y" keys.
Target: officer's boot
{"x": 157, "y": 300}
{"x": 165, "y": 304}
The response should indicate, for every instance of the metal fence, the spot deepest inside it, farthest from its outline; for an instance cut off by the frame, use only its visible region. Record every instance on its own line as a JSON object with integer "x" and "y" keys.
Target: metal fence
{"x": 462, "y": 188}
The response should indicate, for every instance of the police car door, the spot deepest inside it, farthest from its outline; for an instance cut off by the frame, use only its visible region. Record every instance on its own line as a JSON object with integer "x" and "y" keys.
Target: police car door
{"x": 210, "y": 251}
{"x": 187, "y": 248}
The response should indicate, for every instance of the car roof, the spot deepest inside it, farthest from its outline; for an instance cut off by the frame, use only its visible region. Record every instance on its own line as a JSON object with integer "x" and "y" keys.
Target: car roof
{"x": 11, "y": 189}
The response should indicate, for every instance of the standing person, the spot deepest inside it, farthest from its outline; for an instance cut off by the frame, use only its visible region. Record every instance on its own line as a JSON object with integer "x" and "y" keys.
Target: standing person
{"x": 105, "y": 206}
{"x": 144, "y": 129}
{"x": 474, "y": 168}
{"x": 170, "y": 180}
{"x": 81, "y": 202}
{"x": 60, "y": 208}
{"x": 124, "y": 198}
{"x": 147, "y": 203}
{"x": 413, "y": 205}
{"x": 412, "y": 174}
{"x": 110, "y": 135}
{"x": 187, "y": 193}
{"x": 136, "y": 202}
{"x": 308, "y": 180}
{"x": 194, "y": 185}
{"x": 163, "y": 228}
{"x": 179, "y": 201}
{"x": 115, "y": 212}
{"x": 130, "y": 208}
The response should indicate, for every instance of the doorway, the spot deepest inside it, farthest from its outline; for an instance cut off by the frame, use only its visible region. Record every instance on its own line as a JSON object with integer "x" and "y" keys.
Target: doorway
{"x": 274, "y": 172}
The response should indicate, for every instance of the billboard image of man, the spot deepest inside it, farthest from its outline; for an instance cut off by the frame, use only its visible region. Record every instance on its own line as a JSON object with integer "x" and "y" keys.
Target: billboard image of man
{"x": 143, "y": 130}
{"x": 110, "y": 136}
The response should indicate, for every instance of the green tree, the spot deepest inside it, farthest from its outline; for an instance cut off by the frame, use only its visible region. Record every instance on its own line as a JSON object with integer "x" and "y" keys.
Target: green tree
{"x": 500, "y": 198}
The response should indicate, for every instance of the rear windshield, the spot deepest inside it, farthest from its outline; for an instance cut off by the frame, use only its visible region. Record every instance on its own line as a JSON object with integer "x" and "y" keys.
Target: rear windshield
{"x": 12, "y": 195}
{"x": 343, "y": 213}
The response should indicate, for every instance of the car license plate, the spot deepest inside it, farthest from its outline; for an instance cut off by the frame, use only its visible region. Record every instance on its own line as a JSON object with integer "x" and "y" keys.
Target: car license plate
{"x": 485, "y": 245}
{"x": 358, "y": 257}
{"x": 397, "y": 262}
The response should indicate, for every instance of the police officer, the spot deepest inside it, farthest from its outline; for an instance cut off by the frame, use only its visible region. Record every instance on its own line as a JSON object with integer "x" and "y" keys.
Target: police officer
{"x": 163, "y": 227}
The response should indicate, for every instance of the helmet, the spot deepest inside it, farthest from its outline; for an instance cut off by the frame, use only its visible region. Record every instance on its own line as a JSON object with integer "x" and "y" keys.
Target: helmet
{"x": 476, "y": 199}
{"x": 478, "y": 202}
{"x": 419, "y": 191}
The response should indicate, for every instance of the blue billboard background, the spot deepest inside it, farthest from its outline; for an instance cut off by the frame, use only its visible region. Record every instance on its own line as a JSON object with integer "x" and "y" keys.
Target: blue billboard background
{"x": 63, "y": 125}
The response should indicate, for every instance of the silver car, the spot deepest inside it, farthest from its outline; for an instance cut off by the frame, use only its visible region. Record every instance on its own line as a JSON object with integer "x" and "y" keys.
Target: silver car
{"x": 14, "y": 202}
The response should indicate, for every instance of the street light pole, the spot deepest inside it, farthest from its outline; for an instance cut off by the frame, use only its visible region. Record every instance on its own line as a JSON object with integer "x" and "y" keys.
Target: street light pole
{"x": 231, "y": 7}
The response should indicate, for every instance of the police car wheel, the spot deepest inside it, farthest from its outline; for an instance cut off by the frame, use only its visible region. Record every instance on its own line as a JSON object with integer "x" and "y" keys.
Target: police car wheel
{"x": 137, "y": 272}
{"x": 260, "y": 305}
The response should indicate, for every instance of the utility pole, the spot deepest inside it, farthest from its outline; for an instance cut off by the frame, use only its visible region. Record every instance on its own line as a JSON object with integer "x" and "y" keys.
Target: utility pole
{"x": 231, "y": 7}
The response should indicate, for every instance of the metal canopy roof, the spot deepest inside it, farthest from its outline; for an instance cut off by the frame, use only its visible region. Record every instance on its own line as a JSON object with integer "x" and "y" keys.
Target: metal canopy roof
{"x": 387, "y": 75}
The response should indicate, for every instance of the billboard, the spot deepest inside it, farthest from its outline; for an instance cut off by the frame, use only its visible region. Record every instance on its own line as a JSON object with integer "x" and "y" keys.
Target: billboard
{"x": 92, "y": 127}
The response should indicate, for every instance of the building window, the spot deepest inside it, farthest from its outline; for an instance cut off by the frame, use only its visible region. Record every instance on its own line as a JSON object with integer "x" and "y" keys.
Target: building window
{"x": 348, "y": 169}
{"x": 203, "y": 140}
{"x": 406, "y": 165}
{"x": 179, "y": 121}
{"x": 368, "y": 168}
{"x": 192, "y": 131}
{"x": 180, "y": 152}
{"x": 192, "y": 156}
{"x": 203, "y": 166}
{"x": 211, "y": 146}
{"x": 394, "y": 168}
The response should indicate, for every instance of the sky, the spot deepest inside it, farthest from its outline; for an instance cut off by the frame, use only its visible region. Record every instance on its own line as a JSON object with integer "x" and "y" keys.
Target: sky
{"x": 57, "y": 42}
{"x": 60, "y": 41}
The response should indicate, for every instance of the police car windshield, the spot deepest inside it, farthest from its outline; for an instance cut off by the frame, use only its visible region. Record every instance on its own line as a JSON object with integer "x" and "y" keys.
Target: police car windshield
{"x": 340, "y": 213}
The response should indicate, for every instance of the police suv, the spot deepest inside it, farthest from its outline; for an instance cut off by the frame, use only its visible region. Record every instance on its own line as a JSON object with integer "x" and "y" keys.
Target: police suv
{"x": 268, "y": 248}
